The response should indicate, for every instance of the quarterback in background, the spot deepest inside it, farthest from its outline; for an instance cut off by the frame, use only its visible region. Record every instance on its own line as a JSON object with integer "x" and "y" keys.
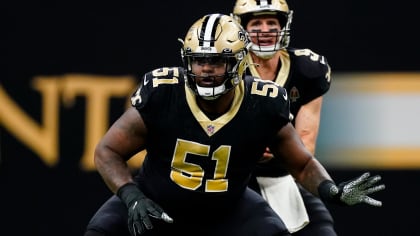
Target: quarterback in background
{"x": 306, "y": 77}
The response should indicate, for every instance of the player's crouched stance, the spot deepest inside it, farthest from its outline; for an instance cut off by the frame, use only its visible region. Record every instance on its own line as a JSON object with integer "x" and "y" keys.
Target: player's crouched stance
{"x": 205, "y": 126}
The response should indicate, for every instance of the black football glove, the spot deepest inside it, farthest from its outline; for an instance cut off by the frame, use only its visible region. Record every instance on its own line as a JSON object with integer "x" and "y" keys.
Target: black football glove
{"x": 139, "y": 209}
{"x": 352, "y": 192}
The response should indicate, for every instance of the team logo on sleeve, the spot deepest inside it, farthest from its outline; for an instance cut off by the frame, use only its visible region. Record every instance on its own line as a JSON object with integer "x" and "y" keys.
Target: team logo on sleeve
{"x": 136, "y": 98}
{"x": 328, "y": 74}
{"x": 294, "y": 94}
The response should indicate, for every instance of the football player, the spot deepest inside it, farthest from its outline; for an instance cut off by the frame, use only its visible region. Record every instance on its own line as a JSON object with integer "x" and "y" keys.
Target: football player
{"x": 306, "y": 77}
{"x": 205, "y": 126}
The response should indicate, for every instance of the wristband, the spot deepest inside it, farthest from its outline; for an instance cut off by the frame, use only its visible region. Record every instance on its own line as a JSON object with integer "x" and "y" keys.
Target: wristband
{"x": 329, "y": 192}
{"x": 128, "y": 192}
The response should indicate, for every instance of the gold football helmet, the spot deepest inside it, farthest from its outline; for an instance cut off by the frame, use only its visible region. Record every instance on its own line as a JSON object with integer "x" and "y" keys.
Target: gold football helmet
{"x": 216, "y": 38}
{"x": 244, "y": 10}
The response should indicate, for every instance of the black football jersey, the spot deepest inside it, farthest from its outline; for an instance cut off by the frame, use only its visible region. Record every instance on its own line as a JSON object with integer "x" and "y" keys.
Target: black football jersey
{"x": 306, "y": 76}
{"x": 191, "y": 157}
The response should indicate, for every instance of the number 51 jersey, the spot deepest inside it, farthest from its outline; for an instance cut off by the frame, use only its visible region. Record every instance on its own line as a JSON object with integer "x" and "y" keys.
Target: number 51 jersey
{"x": 190, "y": 156}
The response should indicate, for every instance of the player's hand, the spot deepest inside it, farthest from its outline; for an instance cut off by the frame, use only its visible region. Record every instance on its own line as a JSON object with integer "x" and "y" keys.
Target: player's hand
{"x": 357, "y": 190}
{"x": 140, "y": 209}
{"x": 354, "y": 191}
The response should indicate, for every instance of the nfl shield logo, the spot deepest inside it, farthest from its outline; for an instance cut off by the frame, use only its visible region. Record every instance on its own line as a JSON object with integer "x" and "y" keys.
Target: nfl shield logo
{"x": 210, "y": 129}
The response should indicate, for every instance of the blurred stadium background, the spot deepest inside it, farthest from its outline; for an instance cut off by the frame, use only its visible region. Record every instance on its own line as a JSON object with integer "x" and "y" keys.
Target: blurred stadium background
{"x": 67, "y": 71}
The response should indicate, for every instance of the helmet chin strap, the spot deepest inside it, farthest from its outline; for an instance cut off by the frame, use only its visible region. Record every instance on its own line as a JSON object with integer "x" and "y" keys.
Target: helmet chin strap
{"x": 265, "y": 52}
{"x": 264, "y": 55}
{"x": 211, "y": 93}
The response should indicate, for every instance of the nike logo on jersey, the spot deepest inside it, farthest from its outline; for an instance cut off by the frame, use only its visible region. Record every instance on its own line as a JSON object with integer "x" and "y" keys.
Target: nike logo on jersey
{"x": 145, "y": 82}
{"x": 285, "y": 96}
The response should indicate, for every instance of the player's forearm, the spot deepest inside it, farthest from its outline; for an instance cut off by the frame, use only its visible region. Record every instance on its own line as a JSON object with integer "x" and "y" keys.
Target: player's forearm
{"x": 112, "y": 168}
{"x": 308, "y": 134}
{"x": 309, "y": 140}
{"x": 312, "y": 176}
{"x": 307, "y": 123}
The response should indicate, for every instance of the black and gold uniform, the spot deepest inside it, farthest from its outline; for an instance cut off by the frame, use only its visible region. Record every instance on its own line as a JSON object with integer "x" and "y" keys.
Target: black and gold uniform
{"x": 194, "y": 179}
{"x": 198, "y": 166}
{"x": 306, "y": 76}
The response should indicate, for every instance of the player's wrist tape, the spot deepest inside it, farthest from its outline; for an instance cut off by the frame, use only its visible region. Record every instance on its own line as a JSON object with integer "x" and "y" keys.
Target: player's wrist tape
{"x": 129, "y": 192}
{"x": 329, "y": 192}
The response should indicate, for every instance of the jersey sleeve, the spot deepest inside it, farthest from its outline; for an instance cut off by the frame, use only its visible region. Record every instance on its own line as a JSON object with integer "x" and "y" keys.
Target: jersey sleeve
{"x": 143, "y": 92}
{"x": 152, "y": 90}
{"x": 314, "y": 71}
{"x": 282, "y": 105}
{"x": 273, "y": 99}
